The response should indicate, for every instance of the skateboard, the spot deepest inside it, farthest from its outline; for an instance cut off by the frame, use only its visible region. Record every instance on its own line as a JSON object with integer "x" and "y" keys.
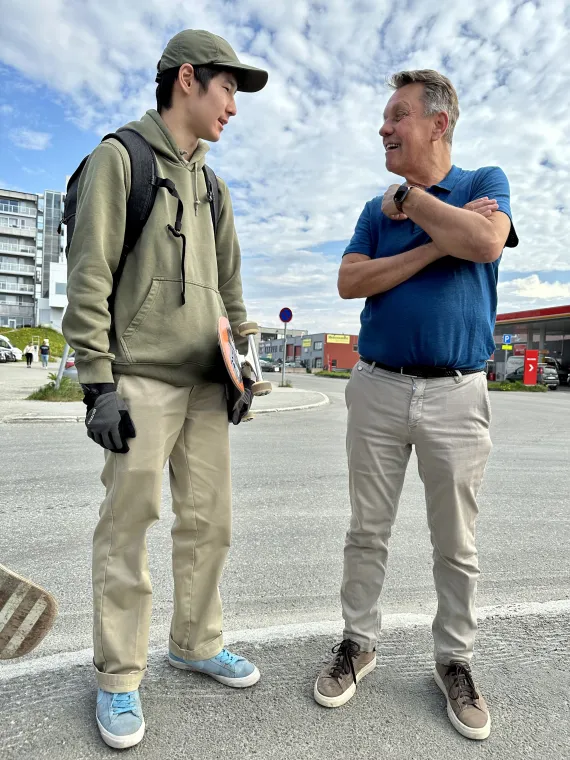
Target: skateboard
{"x": 232, "y": 361}
{"x": 27, "y": 612}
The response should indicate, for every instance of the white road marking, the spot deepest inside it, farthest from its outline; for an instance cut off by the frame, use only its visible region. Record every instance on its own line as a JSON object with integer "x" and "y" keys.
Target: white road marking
{"x": 333, "y": 628}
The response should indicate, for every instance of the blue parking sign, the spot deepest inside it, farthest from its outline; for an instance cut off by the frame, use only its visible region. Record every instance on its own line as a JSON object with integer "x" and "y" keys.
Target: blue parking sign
{"x": 507, "y": 339}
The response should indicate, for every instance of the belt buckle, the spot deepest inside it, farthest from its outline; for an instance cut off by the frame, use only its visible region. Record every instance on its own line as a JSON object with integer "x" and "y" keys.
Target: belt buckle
{"x": 416, "y": 377}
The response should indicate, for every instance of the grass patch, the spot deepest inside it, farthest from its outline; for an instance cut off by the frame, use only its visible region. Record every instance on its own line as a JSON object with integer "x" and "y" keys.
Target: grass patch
{"x": 20, "y": 337}
{"x": 68, "y": 390}
{"x": 326, "y": 373}
{"x": 502, "y": 385}
{"x": 286, "y": 384}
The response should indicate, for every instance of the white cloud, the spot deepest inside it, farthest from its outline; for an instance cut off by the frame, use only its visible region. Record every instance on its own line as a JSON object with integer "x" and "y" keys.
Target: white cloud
{"x": 303, "y": 156}
{"x": 28, "y": 139}
{"x": 533, "y": 289}
{"x": 6, "y": 109}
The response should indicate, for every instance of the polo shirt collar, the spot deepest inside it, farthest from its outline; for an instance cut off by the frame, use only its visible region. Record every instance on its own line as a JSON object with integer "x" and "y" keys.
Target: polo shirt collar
{"x": 450, "y": 180}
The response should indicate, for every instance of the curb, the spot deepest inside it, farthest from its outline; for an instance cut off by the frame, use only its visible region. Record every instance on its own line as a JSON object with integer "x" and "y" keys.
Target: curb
{"x": 19, "y": 420}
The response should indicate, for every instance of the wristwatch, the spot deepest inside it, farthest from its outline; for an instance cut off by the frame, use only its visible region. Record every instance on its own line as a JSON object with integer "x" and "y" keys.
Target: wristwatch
{"x": 400, "y": 196}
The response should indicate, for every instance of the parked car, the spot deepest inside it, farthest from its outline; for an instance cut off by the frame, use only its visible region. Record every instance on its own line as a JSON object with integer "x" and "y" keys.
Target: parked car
{"x": 5, "y": 344}
{"x": 70, "y": 370}
{"x": 268, "y": 366}
{"x": 546, "y": 375}
{"x": 7, "y": 355}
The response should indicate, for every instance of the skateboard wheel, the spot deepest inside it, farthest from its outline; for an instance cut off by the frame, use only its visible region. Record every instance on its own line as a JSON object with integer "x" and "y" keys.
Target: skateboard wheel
{"x": 248, "y": 328}
{"x": 261, "y": 388}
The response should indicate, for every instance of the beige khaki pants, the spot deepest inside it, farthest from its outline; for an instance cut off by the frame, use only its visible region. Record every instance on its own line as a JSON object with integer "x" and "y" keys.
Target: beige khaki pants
{"x": 447, "y": 420}
{"x": 189, "y": 426}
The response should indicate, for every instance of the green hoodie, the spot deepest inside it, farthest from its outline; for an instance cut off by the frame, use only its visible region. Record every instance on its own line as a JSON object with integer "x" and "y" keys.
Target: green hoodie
{"x": 152, "y": 333}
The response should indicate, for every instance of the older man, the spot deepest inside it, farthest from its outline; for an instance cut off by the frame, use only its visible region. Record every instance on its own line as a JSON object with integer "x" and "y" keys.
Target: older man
{"x": 426, "y": 258}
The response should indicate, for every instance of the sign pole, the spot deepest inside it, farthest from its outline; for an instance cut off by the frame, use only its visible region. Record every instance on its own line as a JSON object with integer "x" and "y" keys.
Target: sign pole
{"x": 285, "y": 315}
{"x": 284, "y": 353}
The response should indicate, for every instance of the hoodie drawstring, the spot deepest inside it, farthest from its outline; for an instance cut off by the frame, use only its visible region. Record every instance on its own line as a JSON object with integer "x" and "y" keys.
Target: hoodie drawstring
{"x": 176, "y": 231}
{"x": 196, "y": 199}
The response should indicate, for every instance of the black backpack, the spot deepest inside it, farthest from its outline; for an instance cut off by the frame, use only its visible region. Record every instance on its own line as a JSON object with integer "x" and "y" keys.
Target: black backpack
{"x": 145, "y": 183}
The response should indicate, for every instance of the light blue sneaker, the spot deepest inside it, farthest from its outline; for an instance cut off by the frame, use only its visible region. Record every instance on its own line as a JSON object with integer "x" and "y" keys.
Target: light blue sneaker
{"x": 120, "y": 718}
{"x": 226, "y": 667}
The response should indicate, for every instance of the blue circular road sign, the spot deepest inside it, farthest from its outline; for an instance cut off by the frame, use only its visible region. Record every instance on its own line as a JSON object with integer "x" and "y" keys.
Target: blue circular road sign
{"x": 285, "y": 315}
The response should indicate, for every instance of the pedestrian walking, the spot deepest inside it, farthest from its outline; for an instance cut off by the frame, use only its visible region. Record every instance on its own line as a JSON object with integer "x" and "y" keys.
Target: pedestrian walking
{"x": 45, "y": 353}
{"x": 29, "y": 354}
{"x": 426, "y": 258}
{"x": 153, "y": 375}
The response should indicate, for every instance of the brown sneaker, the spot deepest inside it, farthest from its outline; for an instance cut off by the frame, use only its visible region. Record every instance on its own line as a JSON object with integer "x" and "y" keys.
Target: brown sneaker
{"x": 336, "y": 683}
{"x": 466, "y": 707}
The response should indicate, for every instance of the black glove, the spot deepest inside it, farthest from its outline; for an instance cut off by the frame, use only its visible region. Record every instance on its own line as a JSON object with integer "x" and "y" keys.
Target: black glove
{"x": 243, "y": 404}
{"x": 108, "y": 420}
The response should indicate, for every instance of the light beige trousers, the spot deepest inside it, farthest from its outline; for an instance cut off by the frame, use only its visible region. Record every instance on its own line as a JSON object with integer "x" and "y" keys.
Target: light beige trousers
{"x": 447, "y": 420}
{"x": 188, "y": 426}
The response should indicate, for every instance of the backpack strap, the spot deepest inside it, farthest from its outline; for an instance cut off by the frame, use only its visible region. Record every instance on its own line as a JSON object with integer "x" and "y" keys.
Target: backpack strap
{"x": 141, "y": 197}
{"x": 213, "y": 188}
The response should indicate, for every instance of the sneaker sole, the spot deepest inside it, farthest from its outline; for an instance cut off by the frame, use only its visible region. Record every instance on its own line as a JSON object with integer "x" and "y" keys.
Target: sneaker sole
{"x": 478, "y": 734}
{"x": 121, "y": 742}
{"x": 27, "y": 612}
{"x": 343, "y": 698}
{"x": 236, "y": 683}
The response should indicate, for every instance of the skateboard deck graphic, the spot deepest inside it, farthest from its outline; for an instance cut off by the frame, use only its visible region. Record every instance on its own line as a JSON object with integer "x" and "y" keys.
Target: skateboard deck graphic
{"x": 27, "y": 612}
{"x": 230, "y": 353}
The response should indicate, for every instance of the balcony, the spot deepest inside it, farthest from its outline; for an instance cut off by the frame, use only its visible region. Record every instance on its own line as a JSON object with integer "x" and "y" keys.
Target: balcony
{"x": 9, "y": 268}
{"x": 16, "y": 310}
{"x": 16, "y": 287}
{"x": 19, "y": 248}
{"x": 8, "y": 228}
{"x": 17, "y": 208}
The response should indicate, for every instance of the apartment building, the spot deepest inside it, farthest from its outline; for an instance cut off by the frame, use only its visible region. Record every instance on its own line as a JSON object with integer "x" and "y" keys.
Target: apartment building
{"x": 32, "y": 262}
{"x": 18, "y": 246}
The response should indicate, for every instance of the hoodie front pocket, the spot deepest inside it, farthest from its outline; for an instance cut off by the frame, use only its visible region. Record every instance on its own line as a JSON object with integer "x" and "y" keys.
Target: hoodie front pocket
{"x": 164, "y": 331}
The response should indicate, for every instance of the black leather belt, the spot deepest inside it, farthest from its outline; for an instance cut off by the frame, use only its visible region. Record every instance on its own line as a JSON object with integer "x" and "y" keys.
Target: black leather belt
{"x": 421, "y": 371}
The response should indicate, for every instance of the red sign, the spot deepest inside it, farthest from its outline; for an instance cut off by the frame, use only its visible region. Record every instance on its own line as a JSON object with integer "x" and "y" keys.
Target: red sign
{"x": 530, "y": 366}
{"x": 519, "y": 349}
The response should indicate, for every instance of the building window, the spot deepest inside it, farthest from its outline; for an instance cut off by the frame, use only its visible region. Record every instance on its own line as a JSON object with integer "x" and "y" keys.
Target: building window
{"x": 333, "y": 363}
{"x": 318, "y": 363}
{"x": 355, "y": 348}
{"x": 318, "y": 345}
{"x": 60, "y": 289}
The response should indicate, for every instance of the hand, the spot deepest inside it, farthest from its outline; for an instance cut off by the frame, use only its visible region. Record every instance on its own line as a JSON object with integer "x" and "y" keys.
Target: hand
{"x": 108, "y": 422}
{"x": 389, "y": 208}
{"x": 243, "y": 404}
{"x": 483, "y": 206}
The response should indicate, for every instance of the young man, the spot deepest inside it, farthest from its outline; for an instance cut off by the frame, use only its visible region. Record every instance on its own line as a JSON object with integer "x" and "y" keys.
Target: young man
{"x": 426, "y": 258}
{"x": 154, "y": 379}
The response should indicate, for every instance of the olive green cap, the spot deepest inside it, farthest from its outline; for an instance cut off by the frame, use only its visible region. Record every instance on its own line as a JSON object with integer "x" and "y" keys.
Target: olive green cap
{"x": 202, "y": 48}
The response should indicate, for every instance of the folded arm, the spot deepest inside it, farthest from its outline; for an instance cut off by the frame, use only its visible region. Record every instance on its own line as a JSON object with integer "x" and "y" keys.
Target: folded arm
{"x": 456, "y": 231}
{"x": 361, "y": 277}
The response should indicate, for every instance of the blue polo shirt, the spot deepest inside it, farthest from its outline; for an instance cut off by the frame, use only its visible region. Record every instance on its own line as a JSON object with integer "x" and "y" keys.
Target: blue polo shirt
{"x": 444, "y": 315}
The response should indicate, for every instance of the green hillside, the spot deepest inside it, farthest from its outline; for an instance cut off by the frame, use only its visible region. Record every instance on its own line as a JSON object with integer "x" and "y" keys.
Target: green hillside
{"x": 22, "y": 336}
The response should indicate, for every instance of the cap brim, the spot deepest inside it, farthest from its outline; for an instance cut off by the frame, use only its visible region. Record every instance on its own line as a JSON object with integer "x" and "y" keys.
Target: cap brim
{"x": 250, "y": 79}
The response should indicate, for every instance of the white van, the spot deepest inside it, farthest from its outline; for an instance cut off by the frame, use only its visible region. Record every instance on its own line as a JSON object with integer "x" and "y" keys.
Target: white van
{"x": 5, "y": 343}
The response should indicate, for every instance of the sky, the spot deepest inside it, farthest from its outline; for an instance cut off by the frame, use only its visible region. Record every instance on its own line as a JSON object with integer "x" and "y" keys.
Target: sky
{"x": 303, "y": 156}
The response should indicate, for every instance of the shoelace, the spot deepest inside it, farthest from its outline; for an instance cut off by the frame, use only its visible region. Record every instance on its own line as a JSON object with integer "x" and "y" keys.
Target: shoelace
{"x": 124, "y": 703}
{"x": 227, "y": 658}
{"x": 343, "y": 664}
{"x": 462, "y": 680}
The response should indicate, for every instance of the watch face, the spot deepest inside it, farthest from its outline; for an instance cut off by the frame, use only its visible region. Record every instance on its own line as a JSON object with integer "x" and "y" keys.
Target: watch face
{"x": 401, "y": 193}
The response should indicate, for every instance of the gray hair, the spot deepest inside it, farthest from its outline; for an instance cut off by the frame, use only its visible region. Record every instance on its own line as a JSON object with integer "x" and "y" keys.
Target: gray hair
{"x": 439, "y": 94}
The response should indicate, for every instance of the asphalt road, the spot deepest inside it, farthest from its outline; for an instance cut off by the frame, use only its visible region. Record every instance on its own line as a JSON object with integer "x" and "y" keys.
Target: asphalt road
{"x": 280, "y": 592}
